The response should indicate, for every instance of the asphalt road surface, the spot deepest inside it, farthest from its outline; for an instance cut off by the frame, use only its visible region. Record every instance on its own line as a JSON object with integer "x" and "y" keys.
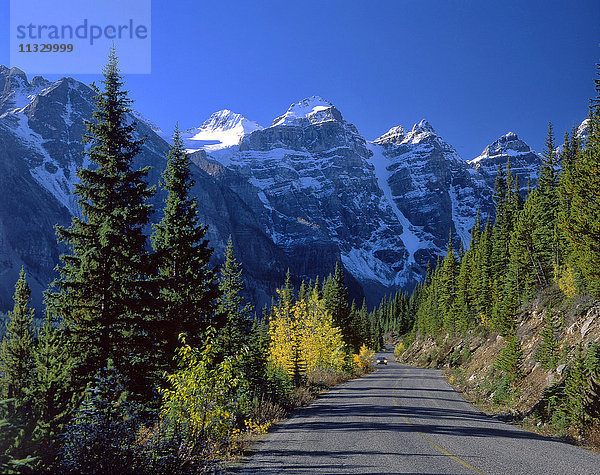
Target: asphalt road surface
{"x": 400, "y": 419}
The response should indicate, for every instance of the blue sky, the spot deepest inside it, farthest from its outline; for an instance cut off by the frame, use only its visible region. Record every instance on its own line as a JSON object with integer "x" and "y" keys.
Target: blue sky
{"x": 474, "y": 69}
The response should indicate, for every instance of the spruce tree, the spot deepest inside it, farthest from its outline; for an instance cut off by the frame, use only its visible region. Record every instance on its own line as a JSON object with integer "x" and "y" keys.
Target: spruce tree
{"x": 544, "y": 234}
{"x": 188, "y": 287}
{"x": 448, "y": 288}
{"x": 547, "y": 354}
{"x": 582, "y": 186}
{"x": 575, "y": 387}
{"x": 233, "y": 336}
{"x": 336, "y": 300}
{"x": 102, "y": 288}
{"x": 51, "y": 390}
{"x": 510, "y": 359}
{"x": 17, "y": 348}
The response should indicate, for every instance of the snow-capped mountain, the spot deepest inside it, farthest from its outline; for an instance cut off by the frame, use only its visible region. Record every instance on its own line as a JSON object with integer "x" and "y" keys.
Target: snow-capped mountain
{"x": 310, "y": 179}
{"x": 583, "y": 131}
{"x": 222, "y": 129}
{"x": 524, "y": 162}
{"x": 302, "y": 194}
{"x": 386, "y": 207}
{"x": 432, "y": 187}
{"x": 313, "y": 110}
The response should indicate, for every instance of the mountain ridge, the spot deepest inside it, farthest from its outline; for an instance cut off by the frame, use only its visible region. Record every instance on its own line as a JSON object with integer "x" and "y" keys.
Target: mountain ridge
{"x": 310, "y": 186}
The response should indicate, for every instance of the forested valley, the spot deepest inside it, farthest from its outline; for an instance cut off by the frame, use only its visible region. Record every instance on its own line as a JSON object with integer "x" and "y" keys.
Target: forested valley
{"x": 150, "y": 360}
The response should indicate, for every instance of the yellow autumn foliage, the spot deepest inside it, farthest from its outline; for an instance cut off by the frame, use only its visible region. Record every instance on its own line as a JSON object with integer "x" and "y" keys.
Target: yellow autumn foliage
{"x": 566, "y": 282}
{"x": 364, "y": 359}
{"x": 302, "y": 335}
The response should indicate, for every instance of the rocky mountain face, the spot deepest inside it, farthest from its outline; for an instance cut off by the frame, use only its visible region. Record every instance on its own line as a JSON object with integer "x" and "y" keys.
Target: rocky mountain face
{"x": 41, "y": 129}
{"x": 304, "y": 193}
{"x": 524, "y": 162}
{"x": 432, "y": 187}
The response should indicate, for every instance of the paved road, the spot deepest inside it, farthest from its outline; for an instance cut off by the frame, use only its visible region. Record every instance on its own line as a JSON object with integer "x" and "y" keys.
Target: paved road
{"x": 406, "y": 420}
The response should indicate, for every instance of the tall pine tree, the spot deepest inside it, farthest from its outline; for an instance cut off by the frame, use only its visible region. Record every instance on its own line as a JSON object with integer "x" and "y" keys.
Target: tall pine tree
{"x": 188, "y": 287}
{"x": 16, "y": 350}
{"x": 103, "y": 283}
{"x": 236, "y": 315}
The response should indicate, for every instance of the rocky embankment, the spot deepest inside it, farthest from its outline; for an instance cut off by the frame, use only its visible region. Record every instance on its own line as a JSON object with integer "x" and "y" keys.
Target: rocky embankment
{"x": 470, "y": 360}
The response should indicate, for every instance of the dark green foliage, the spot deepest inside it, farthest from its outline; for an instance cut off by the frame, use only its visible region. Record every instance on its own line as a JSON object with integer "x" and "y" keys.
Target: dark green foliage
{"x": 11, "y": 437}
{"x": 103, "y": 286}
{"x": 188, "y": 287}
{"x": 575, "y": 387}
{"x": 51, "y": 390}
{"x": 580, "y": 223}
{"x": 256, "y": 357}
{"x": 547, "y": 354}
{"x": 101, "y": 435}
{"x": 233, "y": 334}
{"x": 510, "y": 359}
{"x": 591, "y": 403}
{"x": 545, "y": 213}
{"x": 16, "y": 349}
{"x": 448, "y": 288}
{"x": 554, "y": 236}
{"x": 336, "y": 301}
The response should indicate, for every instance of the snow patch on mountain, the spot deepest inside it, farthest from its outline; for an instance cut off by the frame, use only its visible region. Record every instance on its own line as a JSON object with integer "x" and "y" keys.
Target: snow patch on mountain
{"x": 48, "y": 174}
{"x": 22, "y": 93}
{"x": 394, "y": 135}
{"x": 463, "y": 220}
{"x": 138, "y": 116}
{"x": 583, "y": 131}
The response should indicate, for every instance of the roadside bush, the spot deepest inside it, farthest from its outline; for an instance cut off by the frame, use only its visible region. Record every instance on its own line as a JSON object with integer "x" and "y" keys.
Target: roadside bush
{"x": 364, "y": 359}
{"x": 398, "y": 350}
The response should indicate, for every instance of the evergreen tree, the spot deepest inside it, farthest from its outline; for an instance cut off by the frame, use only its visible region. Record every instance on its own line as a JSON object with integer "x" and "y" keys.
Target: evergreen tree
{"x": 286, "y": 296}
{"x": 545, "y": 210}
{"x": 502, "y": 225}
{"x": 51, "y": 390}
{"x": 17, "y": 347}
{"x": 100, "y": 438}
{"x": 448, "y": 288}
{"x": 365, "y": 323}
{"x": 575, "y": 387}
{"x": 510, "y": 359}
{"x": 547, "y": 354}
{"x": 233, "y": 336}
{"x": 188, "y": 287}
{"x": 11, "y": 436}
{"x": 336, "y": 300}
{"x": 103, "y": 285}
{"x": 582, "y": 187}
{"x": 463, "y": 310}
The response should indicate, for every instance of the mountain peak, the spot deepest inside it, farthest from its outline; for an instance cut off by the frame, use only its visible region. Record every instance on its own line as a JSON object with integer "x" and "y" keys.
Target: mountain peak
{"x": 394, "y": 135}
{"x": 509, "y": 145}
{"x": 421, "y": 132}
{"x": 222, "y": 129}
{"x": 424, "y": 126}
{"x": 314, "y": 109}
{"x": 583, "y": 131}
{"x": 225, "y": 120}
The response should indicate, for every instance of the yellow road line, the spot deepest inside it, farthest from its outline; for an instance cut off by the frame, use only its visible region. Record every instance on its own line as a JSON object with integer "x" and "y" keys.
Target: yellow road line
{"x": 436, "y": 446}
